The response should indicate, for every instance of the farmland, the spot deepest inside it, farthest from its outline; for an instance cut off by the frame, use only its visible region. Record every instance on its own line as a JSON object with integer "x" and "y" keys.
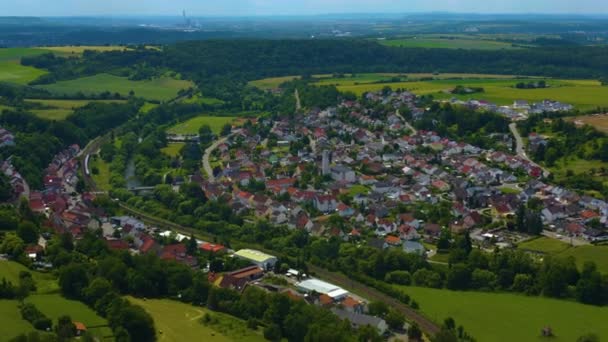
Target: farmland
{"x": 510, "y": 317}
{"x": 598, "y": 121}
{"x": 273, "y": 82}
{"x": 160, "y": 89}
{"x": 544, "y": 245}
{"x": 449, "y": 43}
{"x": 585, "y": 94}
{"x": 12, "y": 71}
{"x": 193, "y": 125}
{"x": 78, "y": 50}
{"x": 172, "y": 150}
{"x": 182, "y": 322}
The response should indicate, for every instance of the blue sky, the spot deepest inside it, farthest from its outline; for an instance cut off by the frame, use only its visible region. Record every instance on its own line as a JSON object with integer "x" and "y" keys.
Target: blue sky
{"x": 291, "y": 7}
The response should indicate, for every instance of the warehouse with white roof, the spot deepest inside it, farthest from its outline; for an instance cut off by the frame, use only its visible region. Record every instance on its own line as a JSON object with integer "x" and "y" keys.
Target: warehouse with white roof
{"x": 260, "y": 259}
{"x": 319, "y": 286}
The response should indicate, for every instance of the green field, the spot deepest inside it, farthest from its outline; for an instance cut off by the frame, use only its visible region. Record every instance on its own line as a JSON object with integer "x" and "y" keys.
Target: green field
{"x": 61, "y": 109}
{"x": 12, "y": 71}
{"x": 585, "y": 94}
{"x": 510, "y": 317}
{"x": 162, "y": 89}
{"x": 45, "y": 282}
{"x": 456, "y": 43}
{"x": 172, "y": 149}
{"x": 11, "y": 322}
{"x": 272, "y": 83}
{"x": 544, "y": 244}
{"x": 582, "y": 254}
{"x": 55, "y": 306}
{"x": 178, "y": 322}
{"x": 193, "y": 125}
{"x": 78, "y": 50}
{"x": 102, "y": 179}
{"x": 198, "y": 98}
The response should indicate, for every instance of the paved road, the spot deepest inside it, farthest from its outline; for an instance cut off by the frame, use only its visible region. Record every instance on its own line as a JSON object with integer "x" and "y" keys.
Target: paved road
{"x": 209, "y": 150}
{"x": 298, "y": 103}
{"x": 407, "y": 124}
{"x": 519, "y": 148}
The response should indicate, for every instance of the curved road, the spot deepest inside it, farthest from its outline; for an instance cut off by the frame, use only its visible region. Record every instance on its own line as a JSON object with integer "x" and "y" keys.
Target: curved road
{"x": 209, "y": 150}
{"x": 519, "y": 148}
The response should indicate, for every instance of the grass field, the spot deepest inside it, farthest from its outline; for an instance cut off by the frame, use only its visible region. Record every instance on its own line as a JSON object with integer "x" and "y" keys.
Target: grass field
{"x": 272, "y": 83}
{"x": 55, "y": 306}
{"x": 61, "y": 109}
{"x": 12, "y": 71}
{"x": 456, "y": 43}
{"x": 158, "y": 89}
{"x": 45, "y": 282}
{"x": 193, "y": 125}
{"x": 181, "y": 322}
{"x": 77, "y": 50}
{"x": 11, "y": 322}
{"x": 510, "y": 317}
{"x": 585, "y": 94}
{"x": 544, "y": 245}
{"x": 582, "y": 254}
{"x": 102, "y": 179}
{"x": 172, "y": 150}
{"x": 211, "y": 101}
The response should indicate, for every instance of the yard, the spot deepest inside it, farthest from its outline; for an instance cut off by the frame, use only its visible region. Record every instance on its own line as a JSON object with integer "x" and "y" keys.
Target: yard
{"x": 177, "y": 321}
{"x": 162, "y": 89}
{"x": 510, "y": 317}
{"x": 544, "y": 245}
{"x": 193, "y": 125}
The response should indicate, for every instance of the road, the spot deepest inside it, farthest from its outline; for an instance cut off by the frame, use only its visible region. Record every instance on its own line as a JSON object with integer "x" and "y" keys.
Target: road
{"x": 209, "y": 150}
{"x": 407, "y": 124}
{"x": 519, "y": 148}
{"x": 298, "y": 103}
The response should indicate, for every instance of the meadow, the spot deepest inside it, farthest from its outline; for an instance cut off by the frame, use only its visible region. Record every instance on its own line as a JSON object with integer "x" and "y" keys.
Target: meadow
{"x": 61, "y": 109}
{"x": 193, "y": 125}
{"x": 45, "y": 282}
{"x": 102, "y": 178}
{"x": 161, "y": 89}
{"x": 55, "y": 306}
{"x": 78, "y": 50}
{"x": 510, "y": 317}
{"x": 175, "y": 321}
{"x": 12, "y": 323}
{"x": 272, "y": 82}
{"x": 581, "y": 254}
{"x": 449, "y": 43}
{"x": 172, "y": 149}
{"x": 12, "y": 71}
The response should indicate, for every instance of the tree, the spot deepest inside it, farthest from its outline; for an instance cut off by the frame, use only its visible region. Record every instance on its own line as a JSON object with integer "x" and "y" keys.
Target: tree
{"x": 377, "y": 308}
{"x": 137, "y": 322}
{"x": 588, "y": 338}
{"x": 414, "y": 333}
{"x": 12, "y": 245}
{"x": 205, "y": 135}
{"x": 395, "y": 319}
{"x": 98, "y": 288}
{"x": 459, "y": 277}
{"x": 590, "y": 288}
{"x": 65, "y": 329}
{"x": 272, "y": 332}
{"x": 226, "y": 129}
{"x": 444, "y": 240}
{"x": 73, "y": 279}
{"x": 28, "y": 232}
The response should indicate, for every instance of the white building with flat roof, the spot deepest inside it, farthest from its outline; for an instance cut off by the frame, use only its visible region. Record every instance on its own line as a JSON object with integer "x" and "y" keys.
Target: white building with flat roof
{"x": 261, "y": 259}
{"x": 319, "y": 286}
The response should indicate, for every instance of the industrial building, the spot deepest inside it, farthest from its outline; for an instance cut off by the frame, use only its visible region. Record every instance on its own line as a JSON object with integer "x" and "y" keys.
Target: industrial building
{"x": 262, "y": 260}
{"x": 321, "y": 287}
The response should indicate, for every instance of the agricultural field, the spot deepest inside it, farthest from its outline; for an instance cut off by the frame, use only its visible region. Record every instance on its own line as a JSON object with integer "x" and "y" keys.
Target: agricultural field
{"x": 45, "y": 282}
{"x": 598, "y": 121}
{"x": 78, "y": 50}
{"x": 449, "y": 43}
{"x": 161, "y": 89}
{"x": 584, "y": 94}
{"x": 172, "y": 149}
{"x": 510, "y": 317}
{"x": 12, "y": 323}
{"x": 175, "y": 321}
{"x": 55, "y": 306}
{"x": 193, "y": 125}
{"x": 544, "y": 244}
{"x": 198, "y": 98}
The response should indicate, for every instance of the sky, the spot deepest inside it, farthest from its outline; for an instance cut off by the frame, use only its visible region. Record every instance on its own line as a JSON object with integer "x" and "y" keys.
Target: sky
{"x": 290, "y": 7}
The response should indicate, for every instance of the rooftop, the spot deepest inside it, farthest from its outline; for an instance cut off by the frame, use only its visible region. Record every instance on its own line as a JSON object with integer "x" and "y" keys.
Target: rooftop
{"x": 254, "y": 255}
